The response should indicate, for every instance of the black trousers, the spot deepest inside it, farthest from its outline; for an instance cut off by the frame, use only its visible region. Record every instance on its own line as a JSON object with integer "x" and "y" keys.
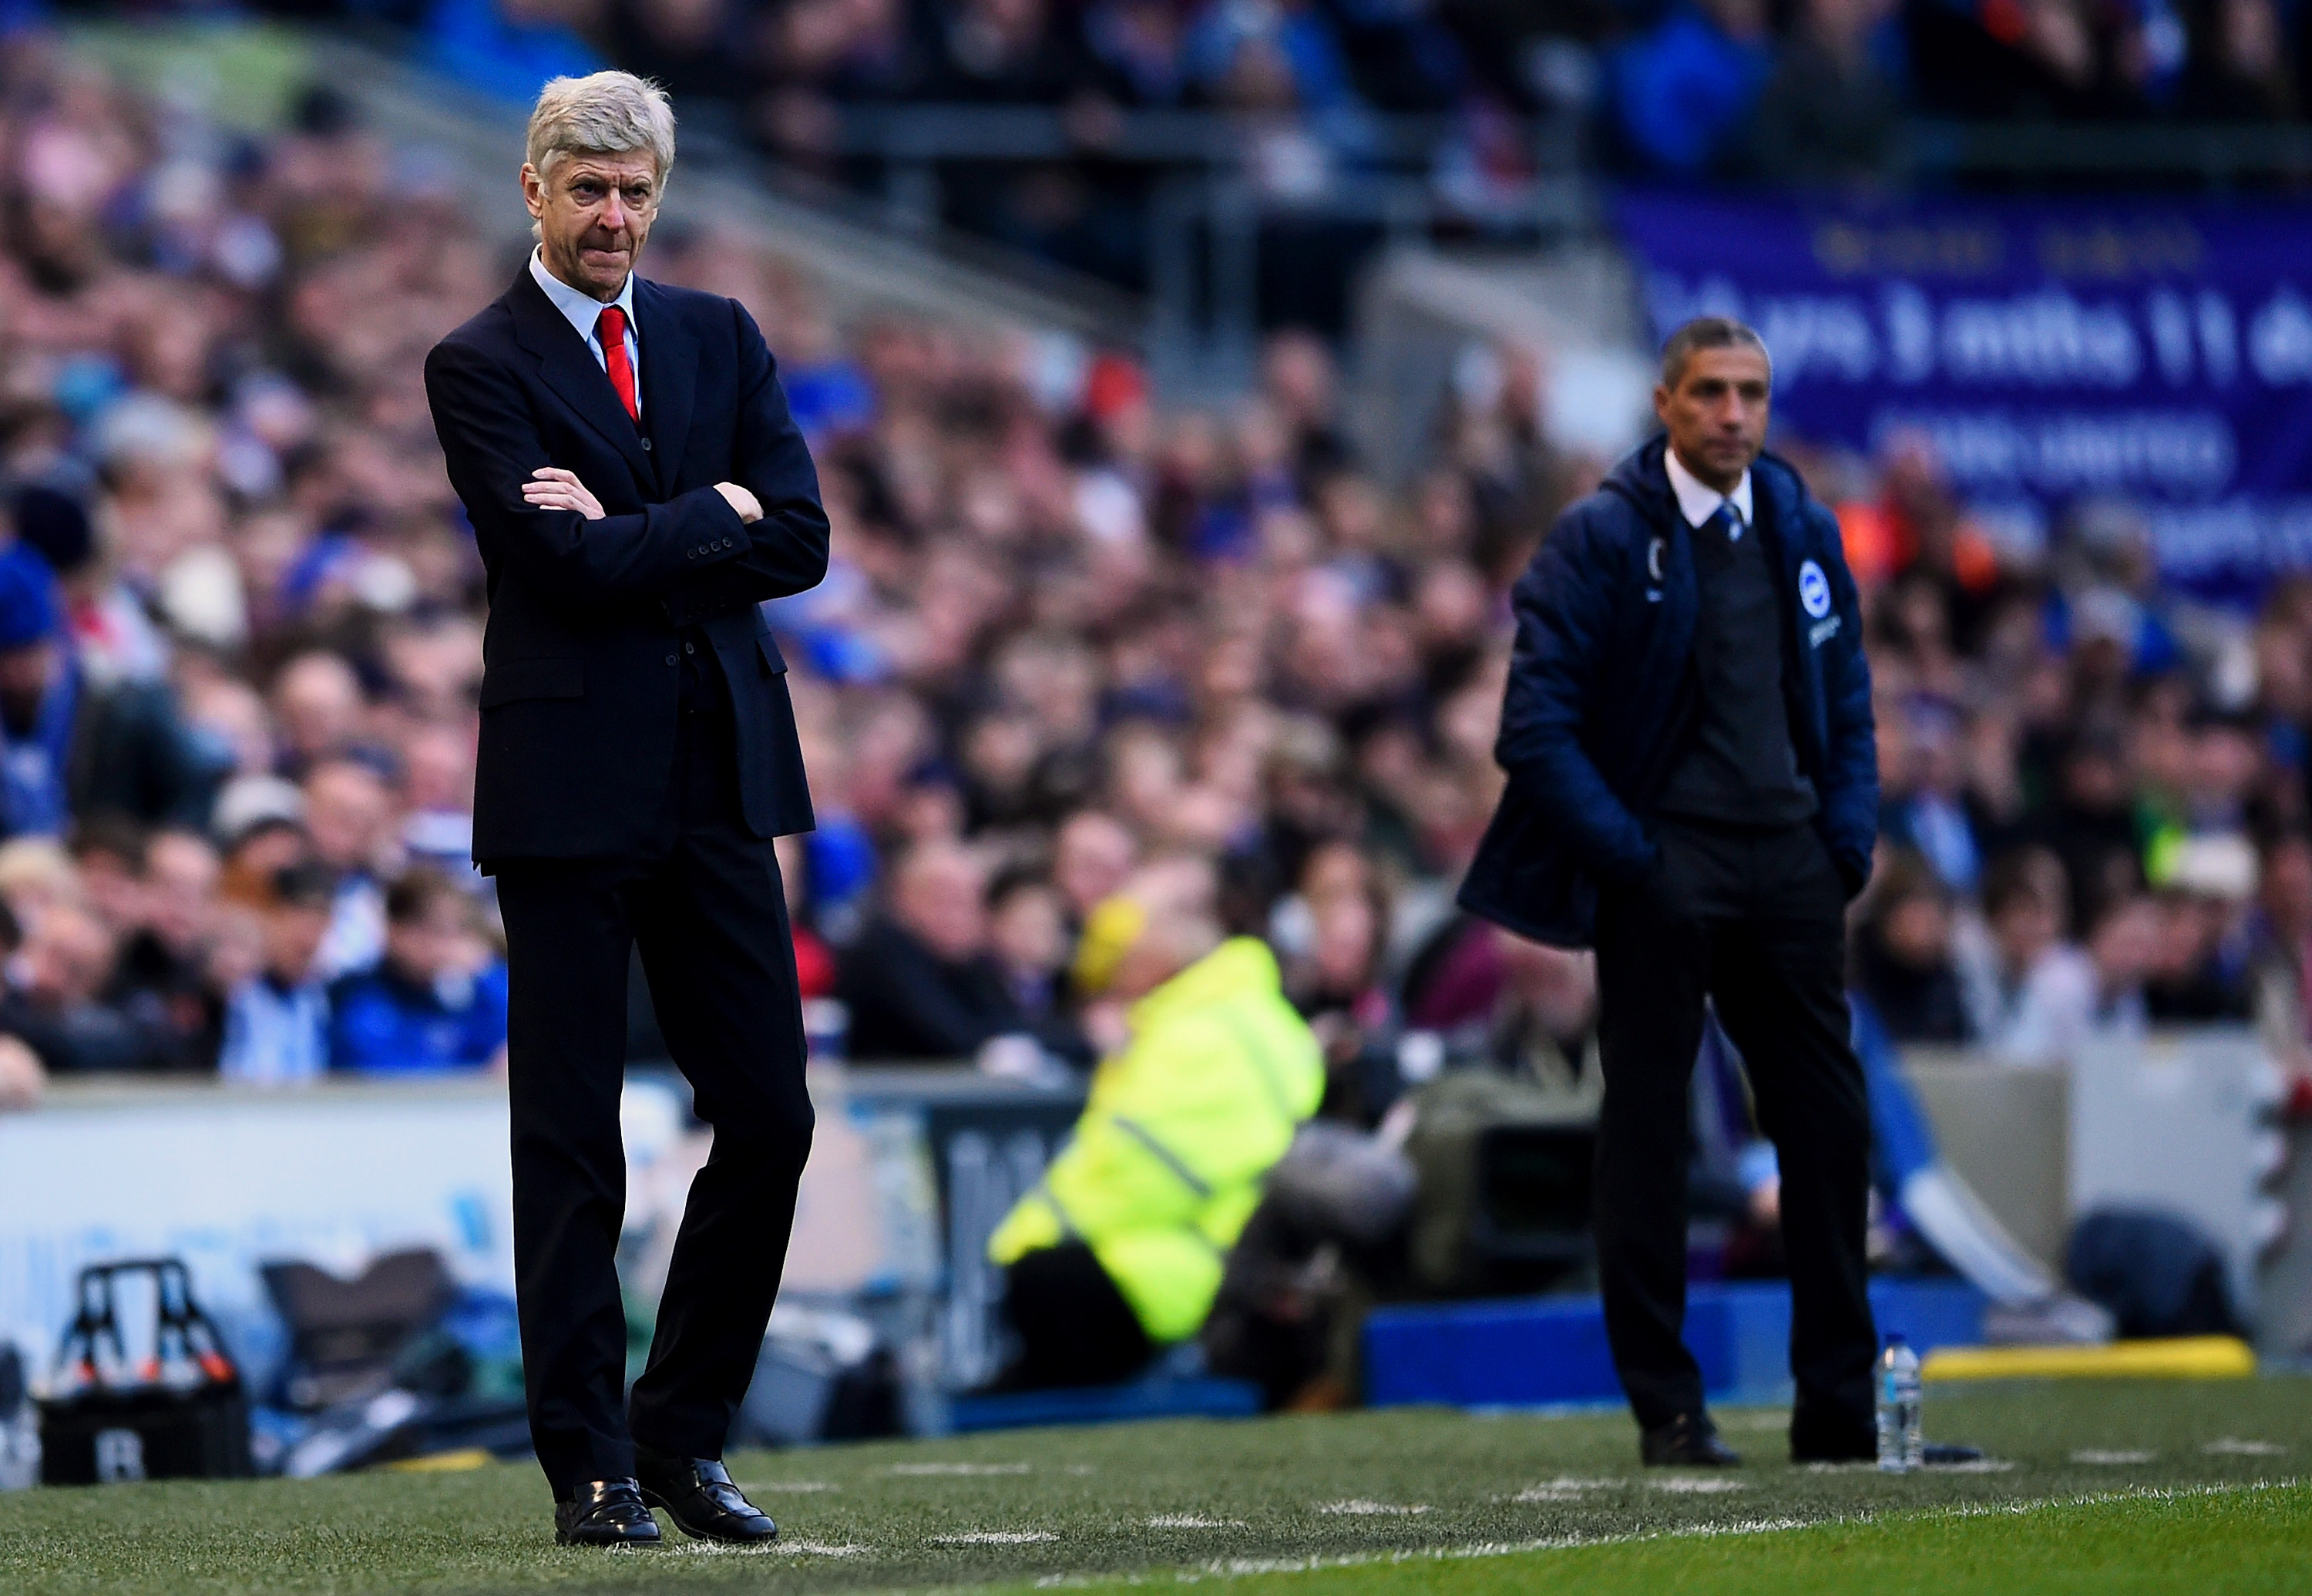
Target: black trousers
{"x": 1753, "y": 920}
{"x": 706, "y": 909}
{"x": 1074, "y": 1326}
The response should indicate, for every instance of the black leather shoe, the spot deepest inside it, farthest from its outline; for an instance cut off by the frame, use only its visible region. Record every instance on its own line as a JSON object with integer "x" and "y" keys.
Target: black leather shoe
{"x": 605, "y": 1512}
{"x": 699, "y": 1497}
{"x": 1942, "y": 1454}
{"x": 1689, "y": 1441}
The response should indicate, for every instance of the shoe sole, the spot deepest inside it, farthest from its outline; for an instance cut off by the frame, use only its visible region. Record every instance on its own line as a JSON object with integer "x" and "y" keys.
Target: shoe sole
{"x": 653, "y": 1499}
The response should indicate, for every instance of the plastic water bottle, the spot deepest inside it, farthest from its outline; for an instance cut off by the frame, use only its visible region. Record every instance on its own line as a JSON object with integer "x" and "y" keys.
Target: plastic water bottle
{"x": 1901, "y": 1446}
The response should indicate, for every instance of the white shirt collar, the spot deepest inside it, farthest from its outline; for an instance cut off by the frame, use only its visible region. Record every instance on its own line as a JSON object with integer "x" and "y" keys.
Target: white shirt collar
{"x": 1697, "y": 501}
{"x": 579, "y": 309}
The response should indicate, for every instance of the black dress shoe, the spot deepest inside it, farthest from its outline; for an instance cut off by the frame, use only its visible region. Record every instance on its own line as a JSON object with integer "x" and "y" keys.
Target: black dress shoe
{"x": 699, "y": 1497}
{"x": 605, "y": 1512}
{"x": 1689, "y": 1441}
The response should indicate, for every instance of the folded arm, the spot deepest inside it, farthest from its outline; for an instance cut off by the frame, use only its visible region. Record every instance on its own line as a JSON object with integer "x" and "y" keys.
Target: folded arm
{"x": 787, "y": 552}
{"x": 494, "y": 450}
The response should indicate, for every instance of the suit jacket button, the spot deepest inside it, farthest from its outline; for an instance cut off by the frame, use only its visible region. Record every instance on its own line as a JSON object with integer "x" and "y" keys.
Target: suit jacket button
{"x": 670, "y": 659}
{"x": 646, "y": 445}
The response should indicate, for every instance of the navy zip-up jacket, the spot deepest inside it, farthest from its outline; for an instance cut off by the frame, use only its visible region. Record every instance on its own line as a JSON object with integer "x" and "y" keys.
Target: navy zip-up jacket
{"x": 1602, "y": 692}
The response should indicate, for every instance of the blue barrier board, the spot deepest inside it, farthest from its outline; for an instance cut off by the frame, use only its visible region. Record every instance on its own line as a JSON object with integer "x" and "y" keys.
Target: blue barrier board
{"x": 1550, "y": 1351}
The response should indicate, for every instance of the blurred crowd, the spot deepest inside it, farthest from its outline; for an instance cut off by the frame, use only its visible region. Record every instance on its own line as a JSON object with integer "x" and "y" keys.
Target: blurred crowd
{"x": 1806, "y": 92}
{"x": 1064, "y": 634}
{"x": 1799, "y": 91}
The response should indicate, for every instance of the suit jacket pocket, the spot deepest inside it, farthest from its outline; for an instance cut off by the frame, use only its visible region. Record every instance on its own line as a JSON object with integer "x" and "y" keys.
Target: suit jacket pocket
{"x": 510, "y": 680}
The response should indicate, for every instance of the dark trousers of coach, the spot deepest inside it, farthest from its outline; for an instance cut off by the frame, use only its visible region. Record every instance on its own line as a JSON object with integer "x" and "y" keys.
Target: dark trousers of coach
{"x": 1745, "y": 911}
{"x": 705, "y": 906}
{"x": 1703, "y": 826}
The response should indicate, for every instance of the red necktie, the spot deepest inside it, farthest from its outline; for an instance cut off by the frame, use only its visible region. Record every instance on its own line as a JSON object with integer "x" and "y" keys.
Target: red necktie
{"x": 610, "y": 327}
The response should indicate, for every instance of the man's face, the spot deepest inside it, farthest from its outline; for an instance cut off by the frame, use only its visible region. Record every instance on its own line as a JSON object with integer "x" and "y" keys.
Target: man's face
{"x": 593, "y": 212}
{"x": 293, "y": 936}
{"x": 433, "y": 945}
{"x": 1716, "y": 414}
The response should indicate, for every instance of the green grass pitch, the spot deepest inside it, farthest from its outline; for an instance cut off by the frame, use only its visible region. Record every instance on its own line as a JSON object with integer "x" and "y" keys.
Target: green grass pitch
{"x": 2097, "y": 1487}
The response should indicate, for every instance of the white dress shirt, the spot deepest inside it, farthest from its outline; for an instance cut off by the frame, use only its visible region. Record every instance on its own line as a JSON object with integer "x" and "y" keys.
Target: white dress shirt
{"x": 583, "y": 310}
{"x": 1697, "y": 501}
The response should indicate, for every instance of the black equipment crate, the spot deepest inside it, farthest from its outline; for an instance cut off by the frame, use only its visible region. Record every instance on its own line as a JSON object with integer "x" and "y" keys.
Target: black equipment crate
{"x": 101, "y": 1434}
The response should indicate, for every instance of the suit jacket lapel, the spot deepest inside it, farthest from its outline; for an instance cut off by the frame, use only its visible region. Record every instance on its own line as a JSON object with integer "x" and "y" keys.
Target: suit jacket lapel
{"x": 670, "y": 379}
{"x": 568, "y": 367}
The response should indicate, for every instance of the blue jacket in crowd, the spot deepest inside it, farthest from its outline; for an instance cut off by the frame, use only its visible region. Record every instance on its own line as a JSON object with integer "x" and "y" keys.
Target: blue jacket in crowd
{"x": 1602, "y": 688}
{"x": 382, "y": 1022}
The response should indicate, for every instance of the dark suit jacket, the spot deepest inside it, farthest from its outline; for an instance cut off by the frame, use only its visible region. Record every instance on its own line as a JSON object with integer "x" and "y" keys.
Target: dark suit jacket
{"x": 588, "y": 618}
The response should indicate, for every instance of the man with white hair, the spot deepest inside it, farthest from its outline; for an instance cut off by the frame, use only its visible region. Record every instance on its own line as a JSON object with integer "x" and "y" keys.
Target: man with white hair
{"x": 637, "y": 487}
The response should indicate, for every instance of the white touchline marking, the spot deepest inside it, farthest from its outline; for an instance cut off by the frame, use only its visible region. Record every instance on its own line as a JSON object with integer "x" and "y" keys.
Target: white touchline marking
{"x": 994, "y": 1537}
{"x": 1975, "y": 1466}
{"x": 1358, "y": 1507}
{"x": 1236, "y": 1568}
{"x": 1189, "y": 1520}
{"x": 1564, "y": 1490}
{"x": 1753, "y": 1423}
{"x": 960, "y": 1468}
{"x": 1707, "y": 1484}
{"x": 2230, "y": 1447}
{"x": 798, "y": 1549}
{"x": 786, "y": 1485}
{"x": 2114, "y": 1458}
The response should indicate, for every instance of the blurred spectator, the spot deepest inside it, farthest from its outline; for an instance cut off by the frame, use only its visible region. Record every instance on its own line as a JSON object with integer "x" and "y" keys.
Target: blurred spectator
{"x": 2201, "y": 973}
{"x": 73, "y": 744}
{"x": 1903, "y": 955}
{"x": 2091, "y": 826}
{"x": 2071, "y": 997}
{"x": 437, "y": 999}
{"x": 2280, "y": 951}
{"x": 55, "y": 1002}
{"x": 1924, "y": 805}
{"x": 1684, "y": 90}
{"x": 163, "y": 979}
{"x": 1118, "y": 1252}
{"x": 1027, "y": 934}
{"x": 2238, "y": 68}
{"x": 1828, "y": 114}
{"x": 920, "y": 982}
{"x": 1094, "y": 856}
{"x": 276, "y": 1018}
{"x": 348, "y": 809}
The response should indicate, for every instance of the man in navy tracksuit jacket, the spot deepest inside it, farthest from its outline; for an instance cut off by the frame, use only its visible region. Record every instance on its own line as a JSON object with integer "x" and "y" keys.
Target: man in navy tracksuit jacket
{"x": 1693, "y": 790}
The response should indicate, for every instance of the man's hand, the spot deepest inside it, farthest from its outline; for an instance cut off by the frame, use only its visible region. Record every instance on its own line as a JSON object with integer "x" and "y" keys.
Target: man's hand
{"x": 550, "y": 487}
{"x": 750, "y": 507}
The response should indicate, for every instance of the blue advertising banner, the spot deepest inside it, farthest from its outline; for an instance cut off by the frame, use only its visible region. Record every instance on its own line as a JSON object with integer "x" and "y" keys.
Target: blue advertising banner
{"x": 2052, "y": 351}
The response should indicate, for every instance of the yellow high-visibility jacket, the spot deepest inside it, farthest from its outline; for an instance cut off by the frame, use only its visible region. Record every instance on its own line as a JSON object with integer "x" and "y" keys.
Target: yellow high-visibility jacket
{"x": 1167, "y": 1164}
